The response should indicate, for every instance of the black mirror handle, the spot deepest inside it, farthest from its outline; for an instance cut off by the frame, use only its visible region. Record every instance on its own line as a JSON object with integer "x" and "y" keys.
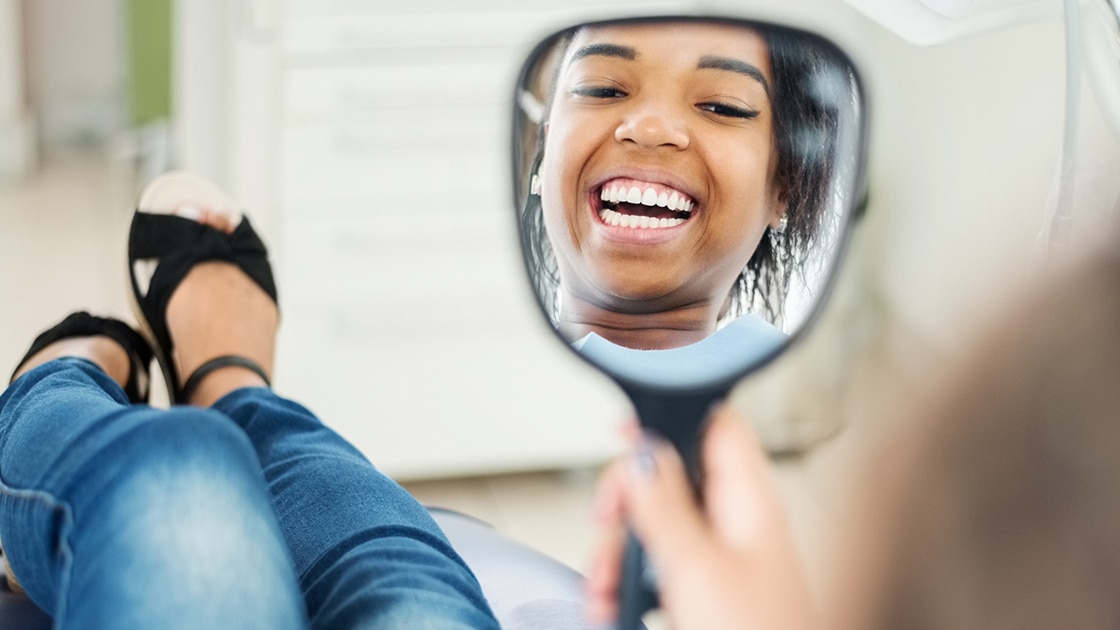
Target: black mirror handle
{"x": 680, "y": 419}
{"x": 637, "y": 593}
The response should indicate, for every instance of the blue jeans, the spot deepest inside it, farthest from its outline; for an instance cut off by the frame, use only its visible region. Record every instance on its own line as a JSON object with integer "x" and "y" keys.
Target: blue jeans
{"x": 252, "y": 514}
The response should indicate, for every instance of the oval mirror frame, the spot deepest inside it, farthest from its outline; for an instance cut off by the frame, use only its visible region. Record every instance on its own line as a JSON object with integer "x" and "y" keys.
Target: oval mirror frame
{"x": 836, "y": 132}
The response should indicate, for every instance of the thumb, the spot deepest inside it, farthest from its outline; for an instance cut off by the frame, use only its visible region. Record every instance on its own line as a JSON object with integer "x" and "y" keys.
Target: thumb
{"x": 740, "y": 492}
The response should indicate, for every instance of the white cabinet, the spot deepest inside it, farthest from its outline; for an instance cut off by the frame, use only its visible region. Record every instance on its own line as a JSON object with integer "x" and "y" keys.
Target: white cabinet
{"x": 370, "y": 141}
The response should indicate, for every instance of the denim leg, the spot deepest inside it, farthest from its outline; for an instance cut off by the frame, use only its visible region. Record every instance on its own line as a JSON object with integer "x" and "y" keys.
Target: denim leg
{"x": 119, "y": 516}
{"x": 367, "y": 553}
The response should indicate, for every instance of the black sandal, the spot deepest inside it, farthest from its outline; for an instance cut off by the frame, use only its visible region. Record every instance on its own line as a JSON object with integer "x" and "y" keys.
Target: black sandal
{"x": 82, "y": 324}
{"x": 173, "y": 245}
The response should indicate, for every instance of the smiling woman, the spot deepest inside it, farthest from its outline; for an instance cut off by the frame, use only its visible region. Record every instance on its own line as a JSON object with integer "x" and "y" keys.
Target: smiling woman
{"x": 684, "y": 173}
{"x": 640, "y": 114}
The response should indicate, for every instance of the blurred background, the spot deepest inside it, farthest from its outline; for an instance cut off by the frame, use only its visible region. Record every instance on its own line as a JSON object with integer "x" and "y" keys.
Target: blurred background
{"x": 369, "y": 141}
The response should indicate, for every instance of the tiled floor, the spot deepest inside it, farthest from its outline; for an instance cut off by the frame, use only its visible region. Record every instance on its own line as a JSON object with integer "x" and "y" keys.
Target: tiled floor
{"x": 62, "y": 246}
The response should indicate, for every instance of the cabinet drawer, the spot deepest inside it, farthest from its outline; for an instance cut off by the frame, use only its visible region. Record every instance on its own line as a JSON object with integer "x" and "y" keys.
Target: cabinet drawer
{"x": 409, "y": 258}
{"x": 362, "y": 92}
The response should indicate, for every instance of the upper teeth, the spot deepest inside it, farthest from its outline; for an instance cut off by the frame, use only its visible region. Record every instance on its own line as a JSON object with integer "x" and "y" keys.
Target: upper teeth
{"x": 666, "y": 198}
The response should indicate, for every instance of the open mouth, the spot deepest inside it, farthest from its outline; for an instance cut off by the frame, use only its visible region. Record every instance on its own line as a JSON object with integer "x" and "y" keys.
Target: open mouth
{"x": 630, "y": 203}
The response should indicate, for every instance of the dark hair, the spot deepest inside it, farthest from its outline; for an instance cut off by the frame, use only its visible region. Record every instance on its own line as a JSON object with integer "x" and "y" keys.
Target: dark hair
{"x": 811, "y": 83}
{"x": 809, "y": 87}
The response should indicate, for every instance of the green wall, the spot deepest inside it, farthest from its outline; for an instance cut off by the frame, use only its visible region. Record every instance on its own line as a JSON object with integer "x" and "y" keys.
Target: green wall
{"x": 148, "y": 24}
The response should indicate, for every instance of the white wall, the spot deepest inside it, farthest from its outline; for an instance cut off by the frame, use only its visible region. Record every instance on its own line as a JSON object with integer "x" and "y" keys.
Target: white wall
{"x": 966, "y": 139}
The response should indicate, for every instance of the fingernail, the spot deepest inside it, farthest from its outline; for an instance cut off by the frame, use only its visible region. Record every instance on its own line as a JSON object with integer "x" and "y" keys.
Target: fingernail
{"x": 644, "y": 458}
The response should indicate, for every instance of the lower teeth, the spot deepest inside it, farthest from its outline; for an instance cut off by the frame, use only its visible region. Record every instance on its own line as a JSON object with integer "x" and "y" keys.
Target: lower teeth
{"x": 617, "y": 219}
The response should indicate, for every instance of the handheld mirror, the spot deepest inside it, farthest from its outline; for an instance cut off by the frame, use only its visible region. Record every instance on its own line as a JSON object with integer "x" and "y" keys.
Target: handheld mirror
{"x": 684, "y": 190}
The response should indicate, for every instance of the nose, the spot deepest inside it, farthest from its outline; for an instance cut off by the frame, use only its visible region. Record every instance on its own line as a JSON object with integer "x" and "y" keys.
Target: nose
{"x": 651, "y": 123}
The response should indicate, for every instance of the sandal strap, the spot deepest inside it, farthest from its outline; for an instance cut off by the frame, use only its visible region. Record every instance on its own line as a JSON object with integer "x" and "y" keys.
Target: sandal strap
{"x": 83, "y": 324}
{"x": 216, "y": 364}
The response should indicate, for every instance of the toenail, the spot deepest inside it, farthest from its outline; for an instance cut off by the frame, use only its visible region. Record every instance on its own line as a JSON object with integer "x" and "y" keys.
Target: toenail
{"x": 189, "y": 212}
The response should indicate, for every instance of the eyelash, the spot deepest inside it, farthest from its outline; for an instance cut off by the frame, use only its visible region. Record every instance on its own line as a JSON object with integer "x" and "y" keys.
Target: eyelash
{"x": 719, "y": 109}
{"x": 595, "y": 91}
{"x": 729, "y": 111}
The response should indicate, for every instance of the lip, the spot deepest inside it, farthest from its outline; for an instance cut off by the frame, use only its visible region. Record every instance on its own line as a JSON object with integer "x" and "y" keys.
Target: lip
{"x": 640, "y": 236}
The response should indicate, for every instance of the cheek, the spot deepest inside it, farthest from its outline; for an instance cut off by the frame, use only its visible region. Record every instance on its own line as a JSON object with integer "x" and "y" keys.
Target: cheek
{"x": 555, "y": 210}
{"x": 555, "y": 222}
{"x": 745, "y": 206}
{"x": 565, "y": 158}
{"x": 559, "y": 165}
{"x": 747, "y": 211}
{"x": 746, "y": 192}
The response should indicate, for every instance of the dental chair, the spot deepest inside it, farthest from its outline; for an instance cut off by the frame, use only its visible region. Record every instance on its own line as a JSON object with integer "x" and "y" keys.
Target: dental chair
{"x": 526, "y": 589}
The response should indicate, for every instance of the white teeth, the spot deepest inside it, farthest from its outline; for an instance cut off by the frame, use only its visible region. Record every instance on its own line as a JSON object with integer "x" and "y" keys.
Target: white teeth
{"x": 650, "y": 197}
{"x": 617, "y": 219}
{"x": 679, "y": 203}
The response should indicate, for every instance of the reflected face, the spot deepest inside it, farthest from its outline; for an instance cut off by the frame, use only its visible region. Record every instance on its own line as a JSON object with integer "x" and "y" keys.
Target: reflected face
{"x": 657, "y": 173}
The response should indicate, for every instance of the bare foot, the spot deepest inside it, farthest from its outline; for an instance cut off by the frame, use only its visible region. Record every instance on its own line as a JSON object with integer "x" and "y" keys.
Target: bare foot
{"x": 102, "y": 350}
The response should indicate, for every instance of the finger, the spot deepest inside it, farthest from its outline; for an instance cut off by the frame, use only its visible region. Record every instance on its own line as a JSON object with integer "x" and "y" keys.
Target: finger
{"x": 601, "y": 585}
{"x": 608, "y": 492}
{"x": 630, "y": 430}
{"x": 661, "y": 504}
{"x": 740, "y": 493}
{"x": 607, "y": 507}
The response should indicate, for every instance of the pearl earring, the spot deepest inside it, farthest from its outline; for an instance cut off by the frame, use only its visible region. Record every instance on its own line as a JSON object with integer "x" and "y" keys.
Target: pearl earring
{"x": 535, "y": 185}
{"x": 783, "y": 223}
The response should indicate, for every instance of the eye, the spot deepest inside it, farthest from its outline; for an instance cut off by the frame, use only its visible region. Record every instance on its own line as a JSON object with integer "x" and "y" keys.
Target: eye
{"x": 597, "y": 91}
{"x": 729, "y": 111}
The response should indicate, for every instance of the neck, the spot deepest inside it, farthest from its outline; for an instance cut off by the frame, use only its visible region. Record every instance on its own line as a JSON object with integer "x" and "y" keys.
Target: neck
{"x": 660, "y": 330}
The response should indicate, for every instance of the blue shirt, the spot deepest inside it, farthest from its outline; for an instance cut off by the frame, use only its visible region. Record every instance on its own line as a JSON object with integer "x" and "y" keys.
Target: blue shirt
{"x": 740, "y": 343}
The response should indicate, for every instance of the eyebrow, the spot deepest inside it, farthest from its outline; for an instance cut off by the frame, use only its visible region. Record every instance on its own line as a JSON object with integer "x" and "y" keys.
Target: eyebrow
{"x": 707, "y": 62}
{"x": 734, "y": 65}
{"x": 605, "y": 50}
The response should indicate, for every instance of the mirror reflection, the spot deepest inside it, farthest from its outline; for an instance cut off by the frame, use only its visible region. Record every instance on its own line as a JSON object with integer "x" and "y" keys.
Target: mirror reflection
{"x": 684, "y": 188}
